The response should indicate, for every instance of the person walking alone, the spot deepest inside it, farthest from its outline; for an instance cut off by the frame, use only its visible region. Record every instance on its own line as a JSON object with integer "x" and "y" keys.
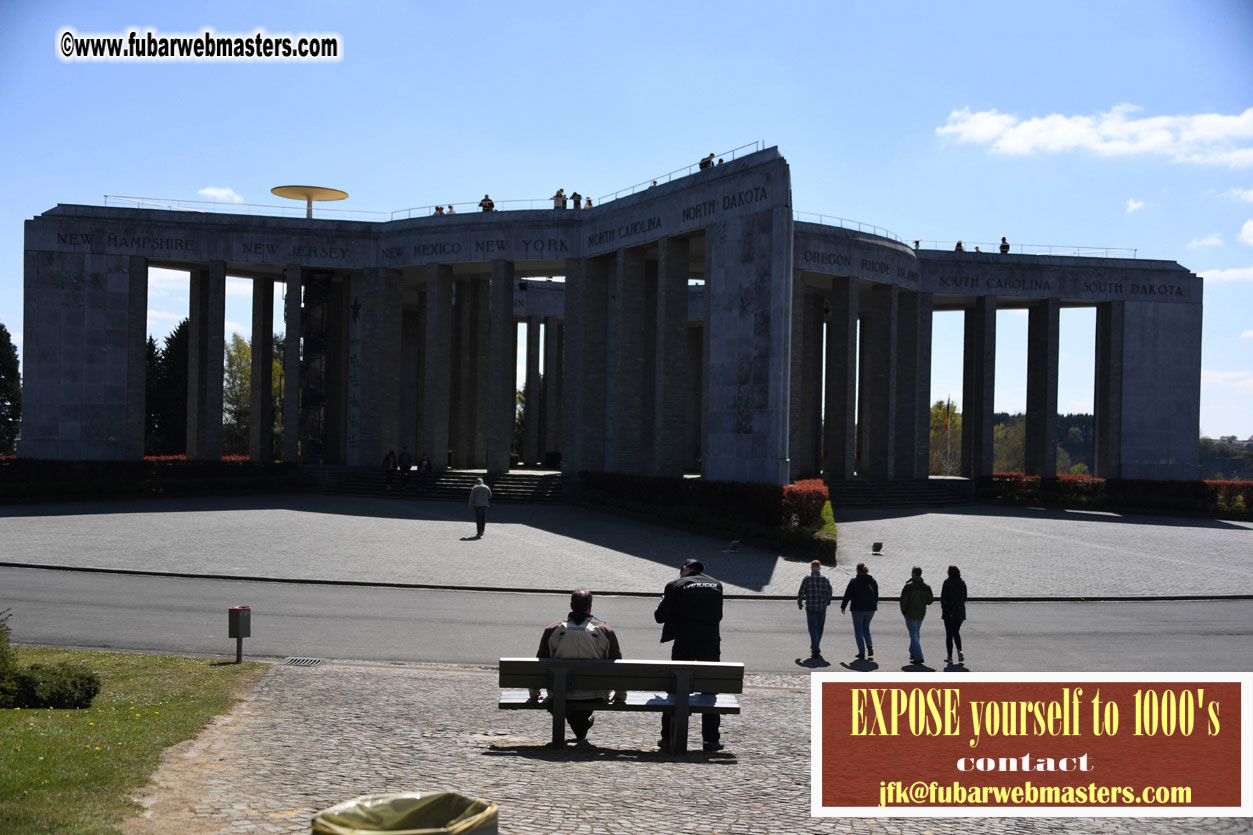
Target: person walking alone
{"x": 953, "y": 612}
{"x": 480, "y": 499}
{"x": 814, "y": 596}
{"x": 916, "y": 596}
{"x": 862, "y": 593}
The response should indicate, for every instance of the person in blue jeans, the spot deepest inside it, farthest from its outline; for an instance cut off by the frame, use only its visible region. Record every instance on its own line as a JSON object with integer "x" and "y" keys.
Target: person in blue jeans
{"x": 862, "y": 594}
{"x": 814, "y": 597}
{"x": 916, "y": 596}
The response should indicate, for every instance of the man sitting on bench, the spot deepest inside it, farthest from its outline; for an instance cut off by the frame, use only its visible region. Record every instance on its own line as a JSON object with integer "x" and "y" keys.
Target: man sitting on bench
{"x": 580, "y": 636}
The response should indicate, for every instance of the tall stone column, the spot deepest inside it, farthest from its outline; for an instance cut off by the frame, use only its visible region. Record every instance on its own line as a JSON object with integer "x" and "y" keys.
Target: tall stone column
{"x": 913, "y": 386}
{"x": 1040, "y": 449}
{"x": 502, "y": 371}
{"x": 553, "y": 395}
{"x": 876, "y": 449}
{"x": 979, "y": 388}
{"x": 624, "y": 418}
{"x": 480, "y": 294}
{"x": 291, "y": 364}
{"x": 375, "y": 361}
{"x": 670, "y": 380}
{"x": 411, "y": 381}
{"x": 205, "y": 353}
{"x": 261, "y": 397}
{"x": 1110, "y": 331}
{"x": 466, "y": 355}
{"x": 136, "y": 358}
{"x": 806, "y": 389}
{"x": 694, "y": 398}
{"x": 534, "y": 397}
{"x": 841, "y": 395}
{"x": 583, "y": 419}
{"x": 437, "y": 361}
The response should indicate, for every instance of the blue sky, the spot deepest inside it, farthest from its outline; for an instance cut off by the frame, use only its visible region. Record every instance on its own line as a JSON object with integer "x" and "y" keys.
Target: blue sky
{"x": 1124, "y": 125}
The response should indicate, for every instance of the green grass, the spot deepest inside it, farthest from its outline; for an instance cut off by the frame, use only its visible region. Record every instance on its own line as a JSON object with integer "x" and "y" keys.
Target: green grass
{"x": 76, "y": 770}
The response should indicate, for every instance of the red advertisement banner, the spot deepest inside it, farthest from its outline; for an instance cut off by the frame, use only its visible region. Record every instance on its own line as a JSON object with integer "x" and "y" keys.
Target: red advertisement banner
{"x": 1119, "y": 744}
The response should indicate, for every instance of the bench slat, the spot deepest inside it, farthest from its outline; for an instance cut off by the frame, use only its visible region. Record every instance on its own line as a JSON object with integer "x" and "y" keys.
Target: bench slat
{"x": 637, "y": 701}
{"x": 596, "y": 674}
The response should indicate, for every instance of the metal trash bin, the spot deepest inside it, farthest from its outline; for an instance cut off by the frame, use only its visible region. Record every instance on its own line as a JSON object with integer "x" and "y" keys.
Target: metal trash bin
{"x": 409, "y": 813}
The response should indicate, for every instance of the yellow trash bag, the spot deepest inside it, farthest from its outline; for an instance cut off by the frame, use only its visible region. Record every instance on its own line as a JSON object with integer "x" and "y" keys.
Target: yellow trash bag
{"x": 408, "y": 813}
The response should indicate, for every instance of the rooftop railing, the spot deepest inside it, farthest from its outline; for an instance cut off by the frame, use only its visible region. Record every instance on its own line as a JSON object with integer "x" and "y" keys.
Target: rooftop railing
{"x": 993, "y": 247}
{"x": 202, "y": 206}
{"x": 670, "y": 176}
{"x": 845, "y": 223}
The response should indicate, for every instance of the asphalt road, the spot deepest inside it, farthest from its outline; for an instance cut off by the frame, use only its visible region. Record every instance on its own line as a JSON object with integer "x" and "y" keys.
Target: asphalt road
{"x": 188, "y": 616}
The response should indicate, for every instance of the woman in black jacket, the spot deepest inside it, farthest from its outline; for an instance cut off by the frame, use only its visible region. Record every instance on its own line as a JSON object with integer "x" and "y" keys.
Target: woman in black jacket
{"x": 953, "y": 611}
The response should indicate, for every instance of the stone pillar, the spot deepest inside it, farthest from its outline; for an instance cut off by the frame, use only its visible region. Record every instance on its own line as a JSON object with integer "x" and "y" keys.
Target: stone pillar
{"x": 205, "y": 355}
{"x": 261, "y": 397}
{"x": 624, "y": 417}
{"x": 1110, "y": 327}
{"x": 411, "y": 381}
{"x": 467, "y": 352}
{"x": 291, "y": 364}
{"x": 1040, "y": 448}
{"x": 583, "y": 419}
{"x": 806, "y": 390}
{"x": 136, "y": 358}
{"x": 979, "y": 388}
{"x": 534, "y": 397}
{"x": 841, "y": 395}
{"x": 480, "y": 295}
{"x": 374, "y": 362}
{"x": 876, "y": 449}
{"x": 553, "y": 400}
{"x": 670, "y": 379}
{"x": 913, "y": 386}
{"x": 694, "y": 398}
{"x": 436, "y": 363}
{"x": 502, "y": 369}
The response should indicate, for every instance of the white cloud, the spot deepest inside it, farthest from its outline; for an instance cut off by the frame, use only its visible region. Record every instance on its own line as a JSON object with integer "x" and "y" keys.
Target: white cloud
{"x": 1212, "y": 239}
{"x": 17, "y": 339}
{"x": 1247, "y": 335}
{"x": 162, "y": 316}
{"x": 1237, "y": 274}
{"x": 1134, "y": 205}
{"x": 1205, "y": 139}
{"x": 1239, "y": 380}
{"x": 238, "y": 286}
{"x": 220, "y": 195}
{"x": 230, "y": 327}
{"x": 1245, "y": 194}
{"x": 1246, "y": 232}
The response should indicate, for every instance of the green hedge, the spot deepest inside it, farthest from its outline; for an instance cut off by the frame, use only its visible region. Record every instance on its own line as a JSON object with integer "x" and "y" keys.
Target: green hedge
{"x": 1234, "y": 497}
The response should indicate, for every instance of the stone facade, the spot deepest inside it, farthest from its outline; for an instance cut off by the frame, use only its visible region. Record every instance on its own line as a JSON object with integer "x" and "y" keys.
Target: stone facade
{"x": 697, "y": 329}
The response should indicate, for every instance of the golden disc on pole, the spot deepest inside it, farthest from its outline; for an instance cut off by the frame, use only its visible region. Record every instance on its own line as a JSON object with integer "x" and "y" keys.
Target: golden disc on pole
{"x": 309, "y": 194}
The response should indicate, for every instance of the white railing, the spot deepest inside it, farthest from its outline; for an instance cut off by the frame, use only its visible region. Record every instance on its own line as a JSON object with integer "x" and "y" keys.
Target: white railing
{"x": 845, "y": 223}
{"x": 294, "y": 210}
{"x": 993, "y": 247}
{"x": 743, "y": 150}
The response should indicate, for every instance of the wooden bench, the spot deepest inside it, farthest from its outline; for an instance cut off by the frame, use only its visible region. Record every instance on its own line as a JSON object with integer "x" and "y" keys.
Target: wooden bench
{"x": 684, "y": 687}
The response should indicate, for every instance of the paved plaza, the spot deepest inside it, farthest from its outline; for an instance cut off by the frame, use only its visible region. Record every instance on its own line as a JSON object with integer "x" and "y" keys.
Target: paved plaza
{"x": 307, "y": 738}
{"x": 1003, "y": 552}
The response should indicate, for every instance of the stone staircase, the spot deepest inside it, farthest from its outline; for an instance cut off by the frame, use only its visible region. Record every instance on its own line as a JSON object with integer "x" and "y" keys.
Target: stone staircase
{"x": 933, "y": 492}
{"x": 518, "y": 487}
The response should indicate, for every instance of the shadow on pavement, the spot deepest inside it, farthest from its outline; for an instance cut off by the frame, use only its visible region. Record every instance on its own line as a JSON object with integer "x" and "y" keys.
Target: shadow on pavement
{"x": 1145, "y": 517}
{"x": 597, "y": 752}
{"x": 813, "y": 663}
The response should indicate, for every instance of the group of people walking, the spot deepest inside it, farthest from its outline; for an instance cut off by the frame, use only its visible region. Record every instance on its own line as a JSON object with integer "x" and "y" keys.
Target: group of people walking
{"x": 861, "y": 597}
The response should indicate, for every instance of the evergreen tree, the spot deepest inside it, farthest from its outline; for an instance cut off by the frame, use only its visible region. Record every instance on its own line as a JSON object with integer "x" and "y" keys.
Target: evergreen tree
{"x": 10, "y": 394}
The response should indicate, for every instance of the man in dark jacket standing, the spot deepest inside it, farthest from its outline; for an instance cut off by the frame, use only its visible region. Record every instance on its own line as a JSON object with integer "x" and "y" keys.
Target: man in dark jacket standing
{"x": 690, "y": 611}
{"x": 862, "y": 592}
{"x": 915, "y": 598}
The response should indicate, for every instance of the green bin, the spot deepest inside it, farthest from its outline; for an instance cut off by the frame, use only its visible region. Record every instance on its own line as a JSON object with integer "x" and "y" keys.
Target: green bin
{"x": 408, "y": 813}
